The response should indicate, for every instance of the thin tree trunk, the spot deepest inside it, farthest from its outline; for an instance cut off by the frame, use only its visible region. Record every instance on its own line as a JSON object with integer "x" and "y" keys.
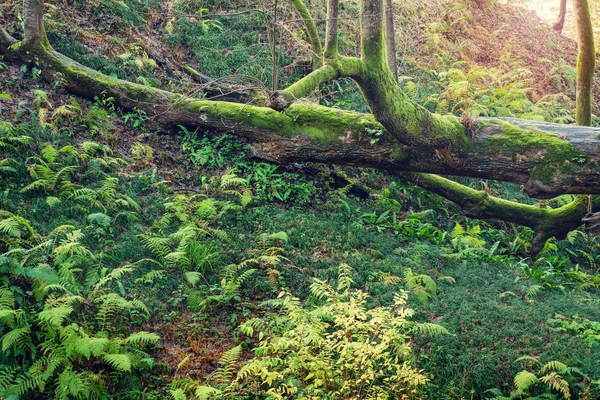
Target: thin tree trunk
{"x": 560, "y": 21}
{"x": 275, "y": 61}
{"x": 33, "y": 14}
{"x": 311, "y": 31}
{"x": 390, "y": 37}
{"x": 586, "y": 62}
{"x": 331, "y": 29}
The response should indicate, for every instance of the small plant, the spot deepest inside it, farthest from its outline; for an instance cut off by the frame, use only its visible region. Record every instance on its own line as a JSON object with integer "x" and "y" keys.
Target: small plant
{"x": 135, "y": 118}
{"x": 546, "y": 381}
{"x": 583, "y": 328}
{"x": 142, "y": 153}
{"x": 337, "y": 350}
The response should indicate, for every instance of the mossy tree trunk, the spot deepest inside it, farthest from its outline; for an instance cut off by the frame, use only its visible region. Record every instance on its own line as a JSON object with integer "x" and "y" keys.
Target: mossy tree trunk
{"x": 586, "y": 62}
{"x": 390, "y": 38}
{"x": 399, "y": 136}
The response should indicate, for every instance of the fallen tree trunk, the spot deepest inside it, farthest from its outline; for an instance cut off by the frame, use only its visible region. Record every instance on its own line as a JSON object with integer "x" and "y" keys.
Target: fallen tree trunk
{"x": 549, "y": 159}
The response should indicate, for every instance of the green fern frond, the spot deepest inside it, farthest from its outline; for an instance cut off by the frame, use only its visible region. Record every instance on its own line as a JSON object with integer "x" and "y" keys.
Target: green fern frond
{"x": 345, "y": 280}
{"x": 428, "y": 328}
{"x": 142, "y": 338}
{"x": 49, "y": 153}
{"x": 524, "y": 380}
{"x": 553, "y": 366}
{"x": 11, "y": 338}
{"x": 115, "y": 274}
{"x": 228, "y": 365}
{"x": 72, "y": 385}
{"x": 55, "y": 317}
{"x": 534, "y": 360}
{"x": 178, "y": 394}
{"x": 192, "y": 277}
{"x": 206, "y": 392}
{"x": 7, "y": 299}
{"x": 121, "y": 362}
{"x": 99, "y": 218}
{"x": 8, "y": 375}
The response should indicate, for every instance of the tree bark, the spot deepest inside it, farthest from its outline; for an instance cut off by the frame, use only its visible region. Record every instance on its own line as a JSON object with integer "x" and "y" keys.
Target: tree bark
{"x": 390, "y": 38}
{"x": 33, "y": 24}
{"x": 545, "y": 222}
{"x": 550, "y": 159}
{"x": 586, "y": 62}
{"x": 331, "y": 29}
{"x": 560, "y": 21}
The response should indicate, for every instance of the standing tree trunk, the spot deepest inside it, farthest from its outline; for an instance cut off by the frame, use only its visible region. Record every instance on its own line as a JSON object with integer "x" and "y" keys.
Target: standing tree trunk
{"x": 311, "y": 31}
{"x": 560, "y": 21}
{"x": 331, "y": 29}
{"x": 33, "y": 25}
{"x": 390, "y": 37}
{"x": 586, "y": 62}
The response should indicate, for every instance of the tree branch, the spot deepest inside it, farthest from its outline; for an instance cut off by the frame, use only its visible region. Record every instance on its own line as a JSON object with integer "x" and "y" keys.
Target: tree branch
{"x": 333, "y": 68}
{"x": 390, "y": 38}
{"x": 560, "y": 21}
{"x": 311, "y": 31}
{"x": 479, "y": 204}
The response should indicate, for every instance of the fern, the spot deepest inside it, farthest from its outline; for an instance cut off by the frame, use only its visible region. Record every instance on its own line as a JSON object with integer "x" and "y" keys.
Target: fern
{"x": 121, "y": 362}
{"x": 228, "y": 363}
{"x": 54, "y": 317}
{"x": 142, "y": 338}
{"x": 427, "y": 328}
{"x": 12, "y": 338}
{"x": 525, "y": 379}
{"x": 72, "y": 384}
{"x": 553, "y": 365}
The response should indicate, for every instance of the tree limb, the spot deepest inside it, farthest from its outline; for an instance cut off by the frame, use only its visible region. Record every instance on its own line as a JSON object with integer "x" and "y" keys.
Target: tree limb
{"x": 560, "y": 21}
{"x": 479, "y": 204}
{"x": 311, "y": 31}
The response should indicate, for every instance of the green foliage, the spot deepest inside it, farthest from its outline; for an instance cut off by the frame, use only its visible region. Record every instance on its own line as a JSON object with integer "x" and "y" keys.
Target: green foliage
{"x": 583, "y": 328}
{"x": 551, "y": 379}
{"x": 59, "y": 299}
{"x": 496, "y": 92}
{"x": 339, "y": 349}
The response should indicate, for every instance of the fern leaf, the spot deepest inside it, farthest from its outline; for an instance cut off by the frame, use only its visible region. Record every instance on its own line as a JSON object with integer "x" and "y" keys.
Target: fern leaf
{"x": 206, "y": 392}
{"x": 428, "y": 328}
{"x": 142, "y": 338}
{"x": 55, "y": 316}
{"x": 524, "y": 380}
{"x": 12, "y": 337}
{"x": 553, "y": 366}
{"x": 121, "y": 362}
